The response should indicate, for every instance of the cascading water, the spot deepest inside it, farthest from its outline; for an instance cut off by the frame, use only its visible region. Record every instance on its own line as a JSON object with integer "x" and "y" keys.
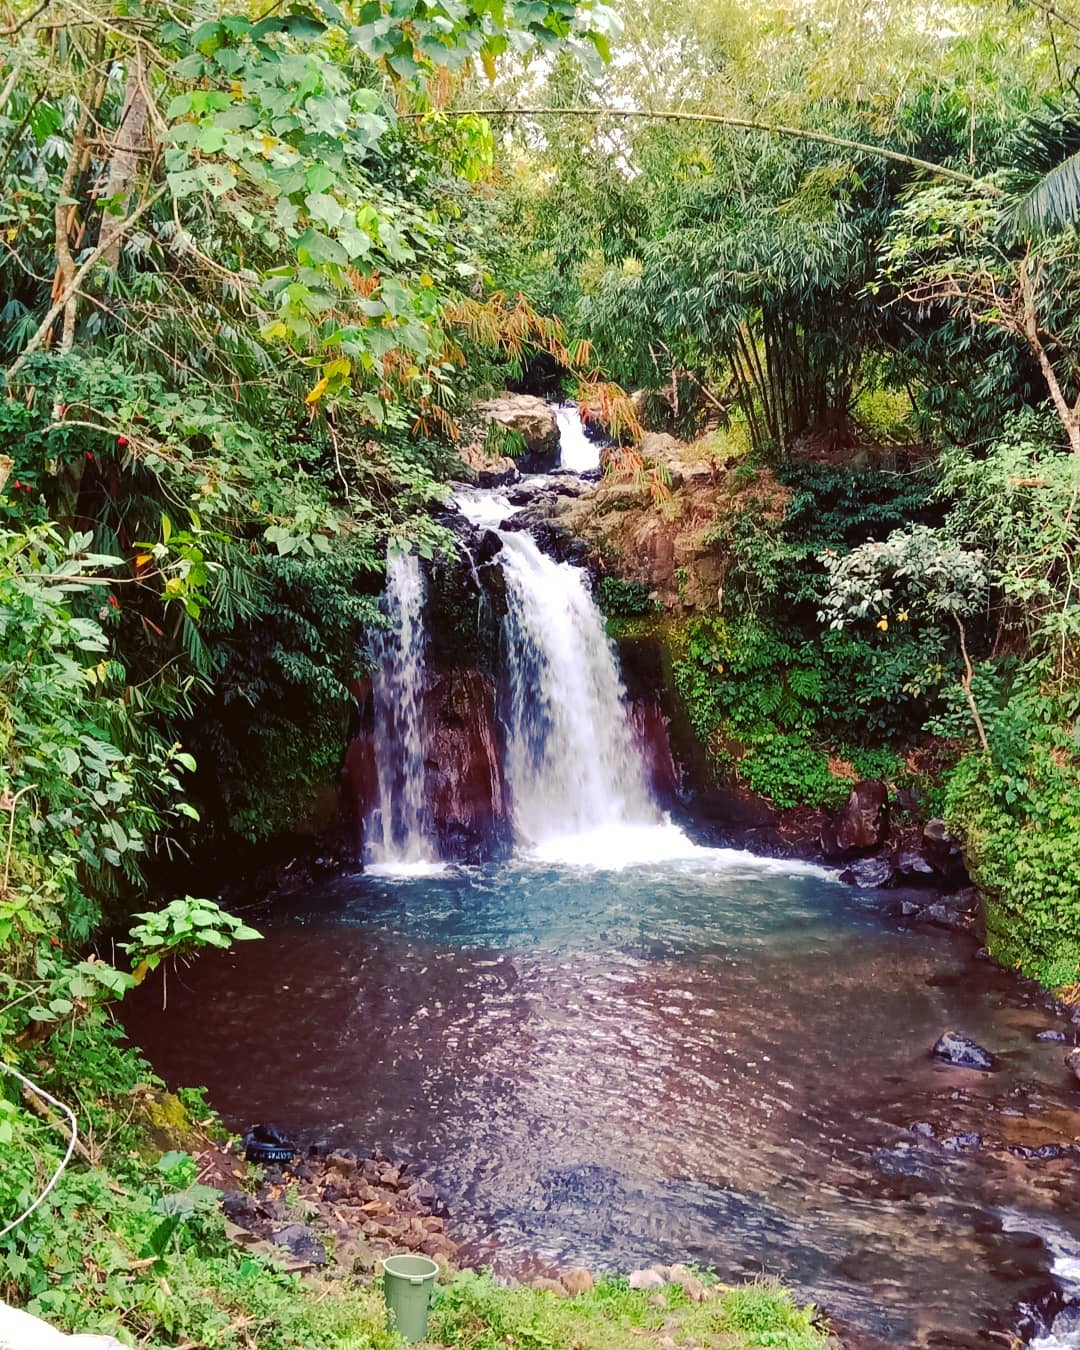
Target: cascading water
{"x": 571, "y": 762}
{"x": 574, "y": 771}
{"x": 398, "y": 828}
{"x": 576, "y": 452}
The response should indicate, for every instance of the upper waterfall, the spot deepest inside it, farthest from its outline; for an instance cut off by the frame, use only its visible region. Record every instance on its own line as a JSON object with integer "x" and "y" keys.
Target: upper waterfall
{"x": 571, "y": 761}
{"x": 576, "y": 452}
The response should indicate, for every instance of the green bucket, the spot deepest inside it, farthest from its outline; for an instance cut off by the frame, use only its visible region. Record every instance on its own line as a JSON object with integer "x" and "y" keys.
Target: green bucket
{"x": 408, "y": 1284}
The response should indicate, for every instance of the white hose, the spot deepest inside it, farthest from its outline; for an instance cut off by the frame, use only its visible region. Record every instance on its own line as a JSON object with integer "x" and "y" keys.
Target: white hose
{"x": 45, "y": 1096}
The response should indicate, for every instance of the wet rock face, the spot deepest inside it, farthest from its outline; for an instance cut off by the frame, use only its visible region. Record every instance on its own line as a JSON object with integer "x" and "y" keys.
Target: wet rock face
{"x": 650, "y": 729}
{"x": 534, "y": 421}
{"x": 868, "y": 873}
{"x": 962, "y": 1053}
{"x": 942, "y": 852}
{"x": 862, "y": 824}
{"x": 466, "y": 791}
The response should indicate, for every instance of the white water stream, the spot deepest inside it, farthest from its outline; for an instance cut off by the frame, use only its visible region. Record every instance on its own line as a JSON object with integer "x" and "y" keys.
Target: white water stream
{"x": 576, "y": 452}
{"x": 398, "y": 833}
{"x": 571, "y": 761}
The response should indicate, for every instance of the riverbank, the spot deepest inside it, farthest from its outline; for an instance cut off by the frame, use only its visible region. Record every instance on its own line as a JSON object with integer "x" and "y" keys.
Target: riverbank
{"x": 159, "y": 1234}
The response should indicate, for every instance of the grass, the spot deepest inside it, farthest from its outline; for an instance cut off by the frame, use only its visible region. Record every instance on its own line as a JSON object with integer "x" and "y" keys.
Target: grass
{"x": 476, "y": 1313}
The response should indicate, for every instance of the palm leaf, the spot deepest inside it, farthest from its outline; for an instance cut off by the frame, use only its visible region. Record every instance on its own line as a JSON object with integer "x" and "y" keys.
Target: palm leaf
{"x": 1044, "y": 177}
{"x": 1053, "y": 202}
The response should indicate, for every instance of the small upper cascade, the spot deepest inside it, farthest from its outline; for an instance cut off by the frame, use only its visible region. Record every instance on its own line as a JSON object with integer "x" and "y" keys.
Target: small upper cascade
{"x": 571, "y": 762}
{"x": 576, "y": 452}
{"x": 398, "y": 829}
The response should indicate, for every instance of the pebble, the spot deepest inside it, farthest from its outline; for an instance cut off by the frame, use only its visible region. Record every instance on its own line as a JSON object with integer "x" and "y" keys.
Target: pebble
{"x": 1051, "y": 1035}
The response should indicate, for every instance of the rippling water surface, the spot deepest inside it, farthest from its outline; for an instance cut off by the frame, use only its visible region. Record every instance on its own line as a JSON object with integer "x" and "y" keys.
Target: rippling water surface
{"x": 716, "y": 1057}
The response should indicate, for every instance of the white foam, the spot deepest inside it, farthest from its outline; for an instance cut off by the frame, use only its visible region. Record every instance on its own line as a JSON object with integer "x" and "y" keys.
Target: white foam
{"x": 484, "y": 507}
{"x": 617, "y": 846}
{"x": 405, "y": 870}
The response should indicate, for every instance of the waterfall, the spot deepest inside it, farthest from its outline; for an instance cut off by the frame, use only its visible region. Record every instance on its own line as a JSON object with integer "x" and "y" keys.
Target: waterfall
{"x": 571, "y": 762}
{"x": 398, "y": 829}
{"x": 576, "y": 451}
{"x": 571, "y": 765}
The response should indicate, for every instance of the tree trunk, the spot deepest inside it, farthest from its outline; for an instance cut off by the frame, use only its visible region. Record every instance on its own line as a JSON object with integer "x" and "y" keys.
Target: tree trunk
{"x": 124, "y": 161}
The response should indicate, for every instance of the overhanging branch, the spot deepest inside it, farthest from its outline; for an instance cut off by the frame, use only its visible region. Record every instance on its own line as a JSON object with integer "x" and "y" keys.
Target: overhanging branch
{"x": 721, "y": 119}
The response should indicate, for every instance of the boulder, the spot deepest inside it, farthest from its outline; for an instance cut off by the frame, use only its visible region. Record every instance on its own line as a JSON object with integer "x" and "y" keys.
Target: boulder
{"x": 1072, "y": 1059}
{"x": 646, "y": 1279}
{"x": 913, "y": 866}
{"x": 944, "y": 854}
{"x": 488, "y": 471}
{"x": 300, "y": 1242}
{"x": 961, "y": 1052}
{"x": 688, "y": 1282}
{"x": 957, "y": 1143}
{"x": 549, "y": 1286}
{"x": 534, "y": 420}
{"x": 576, "y": 1281}
{"x": 1051, "y": 1034}
{"x": 240, "y": 1208}
{"x": 944, "y": 916}
{"x": 868, "y": 872}
{"x": 863, "y": 822}
{"x": 343, "y": 1161}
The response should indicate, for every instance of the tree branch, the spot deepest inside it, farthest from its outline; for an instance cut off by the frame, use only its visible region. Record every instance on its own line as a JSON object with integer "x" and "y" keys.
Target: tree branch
{"x": 721, "y": 119}
{"x": 61, "y": 300}
{"x": 14, "y": 28}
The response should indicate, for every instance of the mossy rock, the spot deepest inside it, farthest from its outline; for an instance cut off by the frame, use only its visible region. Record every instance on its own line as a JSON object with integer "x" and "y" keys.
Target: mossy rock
{"x": 165, "y": 1123}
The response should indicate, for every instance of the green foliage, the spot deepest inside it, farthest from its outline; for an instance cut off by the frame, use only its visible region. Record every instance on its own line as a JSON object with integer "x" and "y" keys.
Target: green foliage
{"x": 181, "y": 928}
{"x": 622, "y": 599}
{"x": 152, "y": 1261}
{"x": 1018, "y": 812}
{"x": 475, "y": 1313}
{"x": 755, "y": 700}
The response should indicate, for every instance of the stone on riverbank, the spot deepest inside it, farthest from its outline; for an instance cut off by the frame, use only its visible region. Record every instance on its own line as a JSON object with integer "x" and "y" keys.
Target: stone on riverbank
{"x": 646, "y": 1279}
{"x": 577, "y": 1281}
{"x": 961, "y": 1052}
{"x": 862, "y": 823}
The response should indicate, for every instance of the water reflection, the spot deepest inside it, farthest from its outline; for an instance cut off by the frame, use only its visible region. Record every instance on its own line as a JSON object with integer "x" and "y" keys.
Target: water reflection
{"x": 713, "y": 1058}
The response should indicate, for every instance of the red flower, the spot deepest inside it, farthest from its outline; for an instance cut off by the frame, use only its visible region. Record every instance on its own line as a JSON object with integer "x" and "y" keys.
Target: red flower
{"x": 114, "y": 602}
{"x": 121, "y": 441}
{"x": 16, "y": 485}
{"x": 89, "y": 454}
